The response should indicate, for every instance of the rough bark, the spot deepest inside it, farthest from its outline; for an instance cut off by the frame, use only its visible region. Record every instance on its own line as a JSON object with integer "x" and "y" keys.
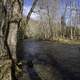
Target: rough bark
{"x": 12, "y": 10}
{"x": 13, "y": 26}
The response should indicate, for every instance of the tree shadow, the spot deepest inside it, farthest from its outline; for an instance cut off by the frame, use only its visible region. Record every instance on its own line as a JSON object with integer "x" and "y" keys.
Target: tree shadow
{"x": 32, "y": 72}
{"x": 65, "y": 72}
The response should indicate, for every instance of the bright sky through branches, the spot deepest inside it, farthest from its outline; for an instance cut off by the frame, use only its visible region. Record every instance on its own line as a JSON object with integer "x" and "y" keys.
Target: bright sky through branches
{"x": 35, "y": 16}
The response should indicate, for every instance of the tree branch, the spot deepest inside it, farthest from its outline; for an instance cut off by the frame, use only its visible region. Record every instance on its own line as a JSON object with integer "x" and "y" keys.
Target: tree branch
{"x": 31, "y": 10}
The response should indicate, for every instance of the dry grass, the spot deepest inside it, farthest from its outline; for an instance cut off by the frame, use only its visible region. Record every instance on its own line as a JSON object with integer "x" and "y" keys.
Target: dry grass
{"x": 67, "y": 41}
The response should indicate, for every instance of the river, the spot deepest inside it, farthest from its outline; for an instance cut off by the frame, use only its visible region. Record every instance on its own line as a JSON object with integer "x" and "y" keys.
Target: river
{"x": 45, "y": 60}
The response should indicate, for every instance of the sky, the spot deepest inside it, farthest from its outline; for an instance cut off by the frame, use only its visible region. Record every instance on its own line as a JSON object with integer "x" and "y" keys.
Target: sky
{"x": 28, "y": 2}
{"x": 26, "y": 9}
{"x": 35, "y": 16}
{"x": 26, "y": 6}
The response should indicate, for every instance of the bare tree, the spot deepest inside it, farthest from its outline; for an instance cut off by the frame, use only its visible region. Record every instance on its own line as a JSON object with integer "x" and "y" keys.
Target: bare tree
{"x": 12, "y": 10}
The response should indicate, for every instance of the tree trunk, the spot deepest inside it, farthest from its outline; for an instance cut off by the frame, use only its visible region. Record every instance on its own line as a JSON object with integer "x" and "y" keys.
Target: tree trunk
{"x": 12, "y": 10}
{"x": 13, "y": 25}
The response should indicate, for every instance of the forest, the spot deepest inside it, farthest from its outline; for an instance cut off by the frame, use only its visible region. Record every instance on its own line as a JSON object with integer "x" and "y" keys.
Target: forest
{"x": 39, "y": 39}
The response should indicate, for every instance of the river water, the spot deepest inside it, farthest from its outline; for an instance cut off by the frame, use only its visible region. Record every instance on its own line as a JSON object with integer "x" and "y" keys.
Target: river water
{"x": 45, "y": 60}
